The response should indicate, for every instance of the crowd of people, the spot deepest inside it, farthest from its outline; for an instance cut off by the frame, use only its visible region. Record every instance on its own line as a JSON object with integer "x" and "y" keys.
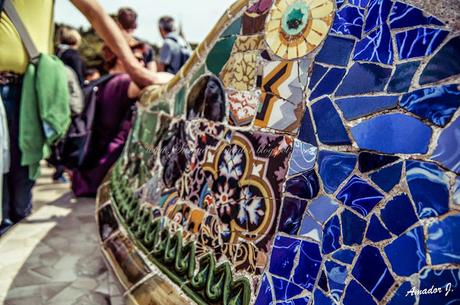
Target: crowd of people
{"x": 28, "y": 65}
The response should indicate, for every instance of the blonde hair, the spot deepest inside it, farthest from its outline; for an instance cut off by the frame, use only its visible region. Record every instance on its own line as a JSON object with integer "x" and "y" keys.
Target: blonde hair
{"x": 69, "y": 36}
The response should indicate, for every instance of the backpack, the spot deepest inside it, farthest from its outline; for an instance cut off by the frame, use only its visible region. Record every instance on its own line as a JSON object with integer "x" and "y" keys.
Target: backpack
{"x": 72, "y": 151}
{"x": 185, "y": 52}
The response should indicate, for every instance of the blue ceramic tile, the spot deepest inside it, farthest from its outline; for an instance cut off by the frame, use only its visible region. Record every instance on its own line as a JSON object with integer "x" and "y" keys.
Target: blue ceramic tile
{"x": 400, "y": 297}
{"x": 419, "y": 42}
{"x": 346, "y": 256}
{"x": 391, "y": 214}
{"x": 376, "y": 231}
{"x": 360, "y": 3}
{"x": 305, "y": 186}
{"x": 307, "y": 133}
{"x": 299, "y": 301}
{"x": 337, "y": 275}
{"x": 328, "y": 83}
{"x": 265, "y": 293}
{"x": 370, "y": 161}
{"x": 328, "y": 123}
{"x": 393, "y": 133}
{"x": 348, "y": 21}
{"x": 377, "y": 47}
{"x": 282, "y": 258}
{"x": 360, "y": 106}
{"x": 291, "y": 215}
{"x": 359, "y": 195}
{"x": 322, "y": 208}
{"x": 402, "y": 78}
{"x": 404, "y": 16}
{"x": 443, "y": 243}
{"x": 356, "y": 294}
{"x": 317, "y": 73}
{"x": 334, "y": 168}
{"x": 448, "y": 147}
{"x": 437, "y": 104}
{"x": 443, "y": 64}
{"x": 377, "y": 13}
{"x": 335, "y": 51}
{"x": 442, "y": 279}
{"x": 456, "y": 195}
{"x": 285, "y": 290}
{"x": 429, "y": 187}
{"x": 387, "y": 177}
{"x": 303, "y": 157}
{"x": 322, "y": 299}
{"x": 376, "y": 79}
{"x": 370, "y": 270}
{"x": 339, "y": 3}
{"x": 308, "y": 268}
{"x": 353, "y": 228}
{"x": 322, "y": 282}
{"x": 407, "y": 253}
{"x": 331, "y": 235}
{"x": 311, "y": 228}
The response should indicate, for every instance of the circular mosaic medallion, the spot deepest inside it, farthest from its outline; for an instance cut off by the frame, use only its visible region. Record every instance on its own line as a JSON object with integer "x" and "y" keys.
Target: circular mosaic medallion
{"x": 297, "y": 27}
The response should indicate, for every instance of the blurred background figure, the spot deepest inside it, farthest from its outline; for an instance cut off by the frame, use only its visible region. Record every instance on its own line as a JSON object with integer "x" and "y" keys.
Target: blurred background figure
{"x": 67, "y": 51}
{"x": 175, "y": 50}
{"x": 92, "y": 74}
{"x": 127, "y": 20}
{"x": 113, "y": 120}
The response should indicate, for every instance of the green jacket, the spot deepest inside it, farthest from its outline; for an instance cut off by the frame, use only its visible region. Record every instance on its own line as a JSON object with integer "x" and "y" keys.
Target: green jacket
{"x": 44, "y": 113}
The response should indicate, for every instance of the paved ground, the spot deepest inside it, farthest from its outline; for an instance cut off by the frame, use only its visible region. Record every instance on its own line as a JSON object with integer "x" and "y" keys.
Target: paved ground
{"x": 53, "y": 257}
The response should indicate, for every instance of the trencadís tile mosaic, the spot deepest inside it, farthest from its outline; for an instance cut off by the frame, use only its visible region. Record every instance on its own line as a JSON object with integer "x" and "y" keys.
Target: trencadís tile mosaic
{"x": 308, "y": 153}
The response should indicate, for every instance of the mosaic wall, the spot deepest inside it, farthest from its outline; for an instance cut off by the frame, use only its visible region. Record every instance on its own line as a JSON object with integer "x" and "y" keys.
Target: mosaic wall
{"x": 308, "y": 153}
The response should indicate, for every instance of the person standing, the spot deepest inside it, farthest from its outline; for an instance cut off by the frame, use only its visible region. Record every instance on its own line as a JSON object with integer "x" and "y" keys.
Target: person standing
{"x": 69, "y": 42}
{"x": 115, "y": 103}
{"x": 37, "y": 16}
{"x": 175, "y": 50}
{"x": 127, "y": 20}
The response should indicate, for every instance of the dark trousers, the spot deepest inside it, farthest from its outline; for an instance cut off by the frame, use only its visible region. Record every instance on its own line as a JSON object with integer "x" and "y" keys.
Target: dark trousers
{"x": 17, "y": 187}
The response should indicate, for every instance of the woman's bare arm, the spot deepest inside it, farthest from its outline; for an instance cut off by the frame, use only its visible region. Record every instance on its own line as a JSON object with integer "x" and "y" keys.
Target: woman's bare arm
{"x": 113, "y": 37}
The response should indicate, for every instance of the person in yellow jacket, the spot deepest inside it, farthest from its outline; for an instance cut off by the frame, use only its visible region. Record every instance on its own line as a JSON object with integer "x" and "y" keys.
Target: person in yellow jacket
{"x": 37, "y": 16}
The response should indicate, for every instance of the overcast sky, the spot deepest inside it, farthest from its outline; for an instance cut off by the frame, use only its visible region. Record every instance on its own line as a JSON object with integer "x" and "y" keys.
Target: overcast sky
{"x": 197, "y": 16}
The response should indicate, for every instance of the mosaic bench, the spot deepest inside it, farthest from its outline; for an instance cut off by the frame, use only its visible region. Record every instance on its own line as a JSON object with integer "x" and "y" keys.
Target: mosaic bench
{"x": 307, "y": 153}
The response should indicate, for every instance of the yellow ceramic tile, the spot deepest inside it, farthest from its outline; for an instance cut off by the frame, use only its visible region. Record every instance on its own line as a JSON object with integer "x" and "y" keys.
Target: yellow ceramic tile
{"x": 289, "y": 43}
{"x": 276, "y": 14}
{"x": 317, "y": 3}
{"x": 302, "y": 48}
{"x": 273, "y": 25}
{"x": 322, "y": 11}
{"x": 292, "y": 52}
{"x": 282, "y": 50}
{"x": 280, "y": 5}
{"x": 320, "y": 27}
{"x": 313, "y": 38}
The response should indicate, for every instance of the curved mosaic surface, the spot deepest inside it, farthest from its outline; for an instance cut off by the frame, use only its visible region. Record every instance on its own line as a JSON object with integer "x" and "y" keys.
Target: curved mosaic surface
{"x": 308, "y": 153}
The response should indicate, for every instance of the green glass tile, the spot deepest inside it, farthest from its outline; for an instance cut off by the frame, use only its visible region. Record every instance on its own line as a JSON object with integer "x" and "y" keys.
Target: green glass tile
{"x": 198, "y": 73}
{"x": 179, "y": 106}
{"x": 149, "y": 123}
{"x": 220, "y": 54}
{"x": 233, "y": 29}
{"x": 161, "y": 105}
